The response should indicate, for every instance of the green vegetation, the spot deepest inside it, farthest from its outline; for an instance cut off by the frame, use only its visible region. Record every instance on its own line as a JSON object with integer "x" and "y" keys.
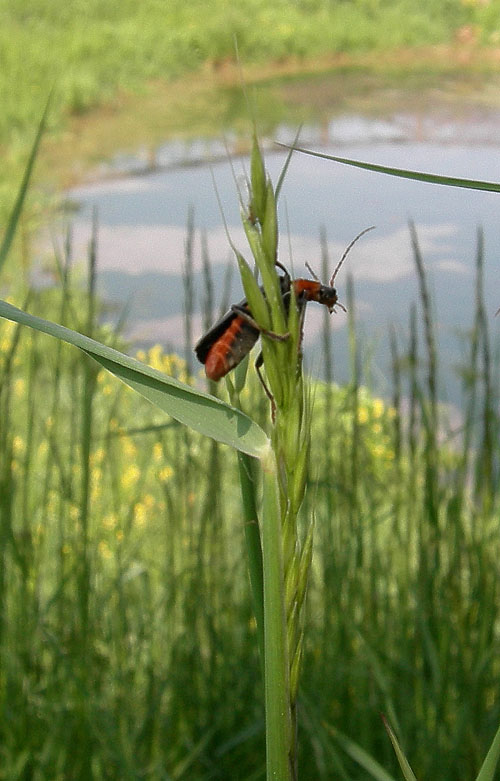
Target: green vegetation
{"x": 127, "y": 642}
{"x": 96, "y": 50}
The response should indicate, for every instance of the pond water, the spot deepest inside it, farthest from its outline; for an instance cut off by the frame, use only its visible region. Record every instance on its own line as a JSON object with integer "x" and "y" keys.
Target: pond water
{"x": 144, "y": 201}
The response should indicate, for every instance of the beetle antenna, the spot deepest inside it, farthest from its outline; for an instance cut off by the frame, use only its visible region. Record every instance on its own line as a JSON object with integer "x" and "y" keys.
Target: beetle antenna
{"x": 313, "y": 274}
{"x": 348, "y": 249}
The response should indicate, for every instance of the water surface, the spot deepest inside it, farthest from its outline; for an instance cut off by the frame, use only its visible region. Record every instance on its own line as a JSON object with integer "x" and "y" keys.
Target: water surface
{"x": 144, "y": 202}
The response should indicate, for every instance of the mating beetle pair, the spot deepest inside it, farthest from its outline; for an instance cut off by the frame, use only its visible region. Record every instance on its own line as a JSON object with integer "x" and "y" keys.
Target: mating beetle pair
{"x": 233, "y": 336}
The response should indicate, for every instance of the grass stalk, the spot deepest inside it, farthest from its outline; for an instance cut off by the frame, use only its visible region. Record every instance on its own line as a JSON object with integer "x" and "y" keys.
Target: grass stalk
{"x": 355, "y": 360}
{"x": 470, "y": 381}
{"x": 397, "y": 431}
{"x": 84, "y": 553}
{"x": 414, "y": 395}
{"x": 327, "y": 362}
{"x": 15, "y": 215}
{"x": 248, "y": 480}
{"x": 280, "y": 765}
{"x": 286, "y": 558}
{"x": 208, "y": 285}
{"x": 484, "y": 477}
{"x": 431, "y": 409}
{"x": 187, "y": 280}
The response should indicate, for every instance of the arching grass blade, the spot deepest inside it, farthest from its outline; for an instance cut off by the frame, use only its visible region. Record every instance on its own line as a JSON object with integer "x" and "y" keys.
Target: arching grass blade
{"x": 201, "y": 412}
{"x": 487, "y": 772}
{"x": 403, "y": 762}
{"x": 449, "y": 181}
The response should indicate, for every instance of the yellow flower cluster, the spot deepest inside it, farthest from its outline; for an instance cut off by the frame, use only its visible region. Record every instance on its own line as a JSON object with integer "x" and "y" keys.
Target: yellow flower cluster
{"x": 170, "y": 364}
{"x": 6, "y": 335}
{"x": 130, "y": 476}
{"x": 375, "y": 414}
{"x": 165, "y": 474}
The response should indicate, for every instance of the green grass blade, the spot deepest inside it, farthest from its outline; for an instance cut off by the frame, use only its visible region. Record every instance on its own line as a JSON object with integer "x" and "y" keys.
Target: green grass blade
{"x": 18, "y": 206}
{"x": 487, "y": 772}
{"x": 253, "y": 541}
{"x": 364, "y": 760}
{"x": 278, "y": 716}
{"x": 403, "y": 762}
{"x": 183, "y": 766}
{"x": 198, "y": 410}
{"x": 449, "y": 181}
{"x": 287, "y": 163}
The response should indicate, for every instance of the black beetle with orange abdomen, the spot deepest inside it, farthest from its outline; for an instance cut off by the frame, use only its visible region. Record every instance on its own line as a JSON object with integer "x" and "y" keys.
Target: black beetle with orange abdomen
{"x": 233, "y": 336}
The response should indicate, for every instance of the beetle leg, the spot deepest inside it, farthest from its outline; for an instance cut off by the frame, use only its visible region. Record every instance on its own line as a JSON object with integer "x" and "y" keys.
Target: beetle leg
{"x": 241, "y": 312}
{"x": 258, "y": 364}
{"x": 284, "y": 270}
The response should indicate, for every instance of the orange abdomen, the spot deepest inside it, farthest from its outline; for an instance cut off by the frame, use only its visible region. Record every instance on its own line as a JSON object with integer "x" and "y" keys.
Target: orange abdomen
{"x": 229, "y": 349}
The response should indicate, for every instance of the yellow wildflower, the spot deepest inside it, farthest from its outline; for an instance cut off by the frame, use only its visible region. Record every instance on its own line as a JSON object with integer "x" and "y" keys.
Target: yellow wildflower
{"x": 177, "y": 361}
{"x": 109, "y": 521}
{"x": 104, "y": 549}
{"x": 129, "y": 449}
{"x": 140, "y": 514}
{"x": 362, "y": 415}
{"x": 130, "y": 476}
{"x": 96, "y": 483}
{"x": 7, "y": 330}
{"x": 18, "y": 445}
{"x": 378, "y": 451}
{"x": 97, "y": 457}
{"x": 19, "y": 386}
{"x": 166, "y": 473}
{"x": 155, "y": 357}
{"x": 168, "y": 364}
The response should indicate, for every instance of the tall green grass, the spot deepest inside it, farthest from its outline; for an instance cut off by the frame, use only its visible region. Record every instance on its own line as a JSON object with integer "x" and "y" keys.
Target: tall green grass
{"x": 128, "y": 646}
{"x": 114, "y": 635}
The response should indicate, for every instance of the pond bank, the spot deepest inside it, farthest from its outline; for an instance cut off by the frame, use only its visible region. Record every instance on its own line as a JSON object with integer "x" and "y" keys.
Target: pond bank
{"x": 211, "y": 102}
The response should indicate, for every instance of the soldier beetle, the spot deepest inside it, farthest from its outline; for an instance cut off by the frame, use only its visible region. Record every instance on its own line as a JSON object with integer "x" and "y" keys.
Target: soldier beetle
{"x": 233, "y": 336}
